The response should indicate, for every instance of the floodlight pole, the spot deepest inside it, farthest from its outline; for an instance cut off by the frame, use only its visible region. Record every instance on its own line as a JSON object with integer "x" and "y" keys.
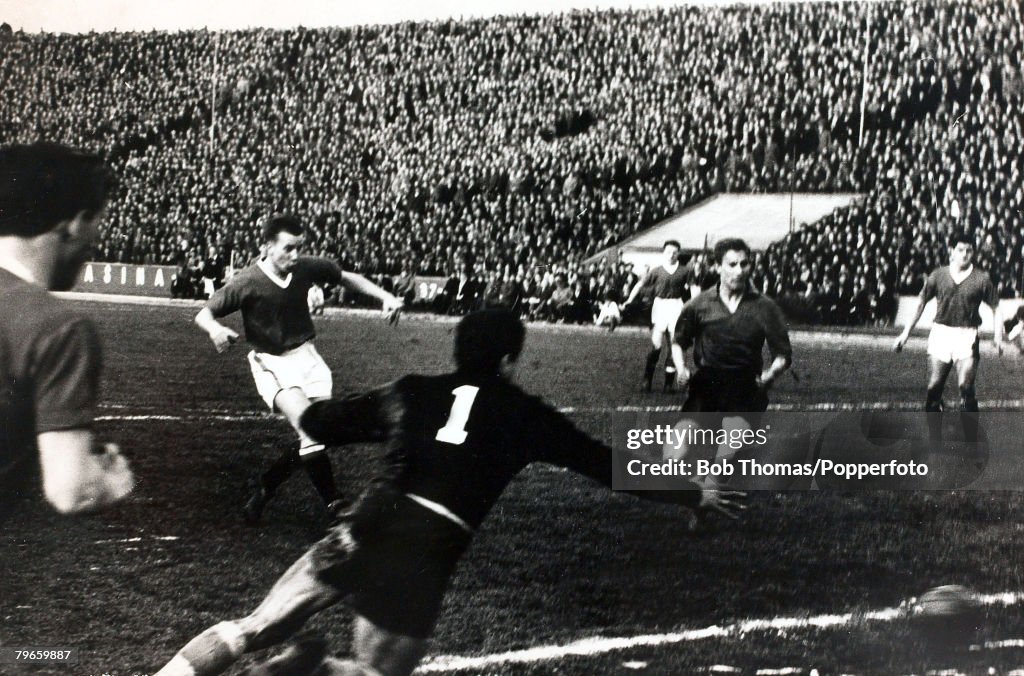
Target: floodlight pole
{"x": 864, "y": 87}
{"x": 899, "y": 256}
{"x": 213, "y": 96}
{"x": 792, "y": 188}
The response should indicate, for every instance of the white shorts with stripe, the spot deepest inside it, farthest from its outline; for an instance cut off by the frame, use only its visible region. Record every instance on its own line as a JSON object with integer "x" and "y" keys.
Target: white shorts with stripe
{"x": 952, "y": 343}
{"x": 302, "y": 367}
{"x": 665, "y": 314}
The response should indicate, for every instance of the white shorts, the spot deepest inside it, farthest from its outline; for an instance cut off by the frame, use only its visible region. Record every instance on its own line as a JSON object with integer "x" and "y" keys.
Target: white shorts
{"x": 665, "y": 314}
{"x": 952, "y": 343}
{"x": 302, "y": 367}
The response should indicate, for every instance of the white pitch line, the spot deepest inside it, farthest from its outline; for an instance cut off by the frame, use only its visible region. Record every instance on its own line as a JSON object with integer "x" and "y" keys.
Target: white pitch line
{"x": 178, "y": 418}
{"x": 599, "y": 645}
{"x": 995, "y": 645}
{"x": 165, "y": 538}
{"x": 1001, "y": 599}
{"x": 994, "y": 405}
{"x": 117, "y": 542}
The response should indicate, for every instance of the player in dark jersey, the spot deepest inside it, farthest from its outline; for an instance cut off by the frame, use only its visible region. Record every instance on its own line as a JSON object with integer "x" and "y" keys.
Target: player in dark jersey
{"x": 669, "y": 281}
{"x": 959, "y": 290}
{"x": 273, "y": 297}
{"x": 51, "y": 200}
{"x": 454, "y": 442}
{"x": 728, "y": 326}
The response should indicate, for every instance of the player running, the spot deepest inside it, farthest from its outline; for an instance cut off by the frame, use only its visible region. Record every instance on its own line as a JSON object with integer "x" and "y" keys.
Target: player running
{"x": 454, "y": 442}
{"x": 671, "y": 291}
{"x": 959, "y": 290}
{"x": 728, "y": 326}
{"x": 272, "y": 295}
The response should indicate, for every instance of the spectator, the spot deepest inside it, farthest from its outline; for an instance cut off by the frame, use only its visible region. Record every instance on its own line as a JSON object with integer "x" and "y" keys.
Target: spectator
{"x": 538, "y": 141}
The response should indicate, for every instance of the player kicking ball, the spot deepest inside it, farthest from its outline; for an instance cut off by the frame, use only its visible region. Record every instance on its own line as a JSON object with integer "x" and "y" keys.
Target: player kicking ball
{"x": 273, "y": 297}
{"x": 454, "y": 442}
{"x": 959, "y": 291}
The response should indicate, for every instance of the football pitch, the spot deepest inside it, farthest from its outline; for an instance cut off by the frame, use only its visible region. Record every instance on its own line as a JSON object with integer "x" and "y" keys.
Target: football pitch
{"x": 564, "y": 576}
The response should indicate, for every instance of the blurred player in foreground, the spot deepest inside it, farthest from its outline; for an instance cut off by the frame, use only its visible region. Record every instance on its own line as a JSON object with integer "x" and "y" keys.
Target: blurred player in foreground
{"x": 51, "y": 200}
{"x": 959, "y": 290}
{"x": 671, "y": 290}
{"x": 728, "y": 326}
{"x": 273, "y": 296}
{"x": 454, "y": 442}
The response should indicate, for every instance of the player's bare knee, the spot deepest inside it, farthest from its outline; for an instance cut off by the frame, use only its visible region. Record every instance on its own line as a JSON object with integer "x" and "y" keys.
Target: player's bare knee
{"x": 291, "y": 402}
{"x": 336, "y": 667}
{"x": 276, "y": 622}
{"x": 249, "y": 628}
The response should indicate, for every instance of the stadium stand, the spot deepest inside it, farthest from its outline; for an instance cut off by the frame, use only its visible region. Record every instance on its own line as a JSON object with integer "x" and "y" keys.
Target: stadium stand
{"x": 521, "y": 145}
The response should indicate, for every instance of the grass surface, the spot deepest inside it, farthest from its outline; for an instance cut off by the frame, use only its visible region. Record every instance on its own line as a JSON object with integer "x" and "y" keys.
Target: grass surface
{"x": 559, "y": 559}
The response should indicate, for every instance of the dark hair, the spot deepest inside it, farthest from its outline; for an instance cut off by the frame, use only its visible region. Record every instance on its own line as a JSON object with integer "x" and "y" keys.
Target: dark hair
{"x": 958, "y": 236}
{"x": 483, "y": 338}
{"x": 729, "y": 244}
{"x": 275, "y": 225}
{"x": 672, "y": 242}
{"x": 45, "y": 184}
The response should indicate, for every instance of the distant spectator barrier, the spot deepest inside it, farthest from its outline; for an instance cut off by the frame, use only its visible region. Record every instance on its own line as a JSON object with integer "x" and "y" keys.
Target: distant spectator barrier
{"x": 133, "y": 280}
{"x": 427, "y": 288}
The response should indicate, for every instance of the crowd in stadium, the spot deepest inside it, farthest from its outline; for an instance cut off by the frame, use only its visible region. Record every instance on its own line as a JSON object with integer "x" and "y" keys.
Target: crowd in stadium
{"x": 519, "y": 147}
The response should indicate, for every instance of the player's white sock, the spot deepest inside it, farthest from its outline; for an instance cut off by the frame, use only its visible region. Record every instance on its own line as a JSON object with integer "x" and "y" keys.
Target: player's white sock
{"x": 210, "y": 653}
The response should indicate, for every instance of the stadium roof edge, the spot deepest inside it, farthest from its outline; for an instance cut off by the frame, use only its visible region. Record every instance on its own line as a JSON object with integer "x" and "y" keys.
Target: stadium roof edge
{"x": 730, "y": 215}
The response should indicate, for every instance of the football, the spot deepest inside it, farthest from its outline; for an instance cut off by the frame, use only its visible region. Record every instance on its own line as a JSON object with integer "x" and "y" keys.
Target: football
{"x": 947, "y": 602}
{"x": 947, "y": 617}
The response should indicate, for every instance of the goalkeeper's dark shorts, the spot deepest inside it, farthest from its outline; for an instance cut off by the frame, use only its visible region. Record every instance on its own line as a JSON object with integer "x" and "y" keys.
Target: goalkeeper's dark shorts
{"x": 394, "y": 558}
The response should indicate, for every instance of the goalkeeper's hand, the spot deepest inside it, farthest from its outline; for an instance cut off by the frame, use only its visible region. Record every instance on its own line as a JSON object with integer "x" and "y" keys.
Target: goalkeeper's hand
{"x": 727, "y": 503}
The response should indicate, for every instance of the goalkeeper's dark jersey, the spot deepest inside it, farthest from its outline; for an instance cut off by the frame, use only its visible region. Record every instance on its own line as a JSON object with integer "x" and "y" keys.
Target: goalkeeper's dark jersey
{"x": 458, "y": 440}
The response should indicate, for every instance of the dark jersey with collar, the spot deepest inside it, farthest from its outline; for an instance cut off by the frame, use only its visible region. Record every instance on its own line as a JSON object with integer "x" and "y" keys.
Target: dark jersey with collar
{"x": 50, "y": 363}
{"x": 957, "y": 304}
{"x": 276, "y": 317}
{"x": 727, "y": 340}
{"x": 667, "y": 284}
{"x": 458, "y": 440}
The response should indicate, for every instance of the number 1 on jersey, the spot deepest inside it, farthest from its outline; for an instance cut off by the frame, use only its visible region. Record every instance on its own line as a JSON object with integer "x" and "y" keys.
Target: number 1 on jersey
{"x": 454, "y": 431}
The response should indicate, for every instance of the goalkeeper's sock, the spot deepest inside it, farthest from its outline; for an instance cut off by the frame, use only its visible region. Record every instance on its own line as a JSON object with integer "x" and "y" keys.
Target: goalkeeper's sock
{"x": 210, "y": 653}
{"x": 321, "y": 473}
